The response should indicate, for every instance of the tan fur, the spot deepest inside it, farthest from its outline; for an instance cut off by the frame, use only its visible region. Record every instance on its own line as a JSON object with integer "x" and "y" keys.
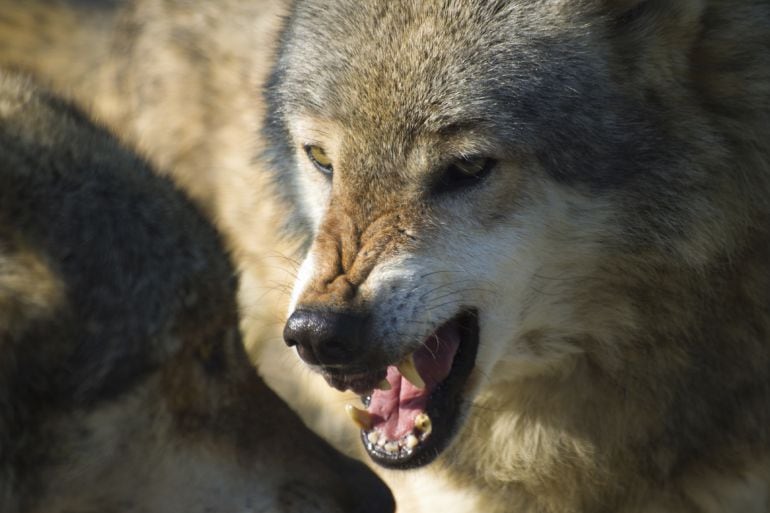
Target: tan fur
{"x": 29, "y": 289}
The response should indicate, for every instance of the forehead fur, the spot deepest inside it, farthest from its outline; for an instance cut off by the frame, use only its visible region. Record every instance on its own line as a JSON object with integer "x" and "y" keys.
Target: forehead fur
{"x": 421, "y": 62}
{"x": 525, "y": 71}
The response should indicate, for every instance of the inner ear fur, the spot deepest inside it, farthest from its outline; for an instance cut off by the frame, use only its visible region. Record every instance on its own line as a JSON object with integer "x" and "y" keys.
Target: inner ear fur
{"x": 659, "y": 16}
{"x": 653, "y": 39}
{"x": 636, "y": 8}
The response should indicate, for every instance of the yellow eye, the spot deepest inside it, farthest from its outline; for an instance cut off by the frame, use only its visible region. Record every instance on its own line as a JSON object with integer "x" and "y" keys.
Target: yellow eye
{"x": 473, "y": 167}
{"x": 319, "y": 158}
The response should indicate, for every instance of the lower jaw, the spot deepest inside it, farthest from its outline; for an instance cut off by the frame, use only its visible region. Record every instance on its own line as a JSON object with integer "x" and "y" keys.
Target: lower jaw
{"x": 411, "y": 451}
{"x": 445, "y": 408}
{"x": 385, "y": 451}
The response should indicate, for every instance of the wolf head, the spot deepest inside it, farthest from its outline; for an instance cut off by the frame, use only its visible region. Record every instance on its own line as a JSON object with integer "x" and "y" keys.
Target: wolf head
{"x": 497, "y": 192}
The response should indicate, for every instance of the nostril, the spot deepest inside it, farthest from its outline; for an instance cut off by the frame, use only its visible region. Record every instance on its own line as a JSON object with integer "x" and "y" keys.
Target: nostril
{"x": 298, "y": 332}
{"x": 324, "y": 337}
{"x": 297, "y": 328}
{"x": 307, "y": 355}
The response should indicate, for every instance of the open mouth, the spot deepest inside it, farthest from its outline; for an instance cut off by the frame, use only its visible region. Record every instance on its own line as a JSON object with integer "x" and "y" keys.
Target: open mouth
{"x": 414, "y": 411}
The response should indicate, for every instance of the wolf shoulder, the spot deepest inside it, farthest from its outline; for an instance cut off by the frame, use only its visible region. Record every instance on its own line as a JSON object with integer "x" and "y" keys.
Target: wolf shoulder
{"x": 70, "y": 190}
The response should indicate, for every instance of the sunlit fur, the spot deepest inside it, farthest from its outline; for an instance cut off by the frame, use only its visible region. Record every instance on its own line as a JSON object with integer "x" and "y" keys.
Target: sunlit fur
{"x": 618, "y": 255}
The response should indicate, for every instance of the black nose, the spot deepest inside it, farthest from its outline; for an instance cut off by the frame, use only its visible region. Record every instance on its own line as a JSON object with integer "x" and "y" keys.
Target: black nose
{"x": 325, "y": 337}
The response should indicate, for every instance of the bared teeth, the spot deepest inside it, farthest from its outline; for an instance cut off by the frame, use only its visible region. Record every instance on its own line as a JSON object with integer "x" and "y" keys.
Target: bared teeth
{"x": 409, "y": 371}
{"x": 384, "y": 385}
{"x": 423, "y": 424}
{"x": 373, "y": 437}
{"x": 361, "y": 418}
{"x": 412, "y": 441}
{"x": 391, "y": 447}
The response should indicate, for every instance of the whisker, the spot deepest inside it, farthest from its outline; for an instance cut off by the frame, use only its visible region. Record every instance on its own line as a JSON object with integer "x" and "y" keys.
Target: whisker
{"x": 431, "y": 291}
{"x": 448, "y": 303}
{"x": 426, "y": 275}
{"x": 450, "y": 294}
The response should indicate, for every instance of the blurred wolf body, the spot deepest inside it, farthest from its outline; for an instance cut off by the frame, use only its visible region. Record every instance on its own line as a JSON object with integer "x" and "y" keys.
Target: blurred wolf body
{"x": 125, "y": 385}
{"x": 181, "y": 81}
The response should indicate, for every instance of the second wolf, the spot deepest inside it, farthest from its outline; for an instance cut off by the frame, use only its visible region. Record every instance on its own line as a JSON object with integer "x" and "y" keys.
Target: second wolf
{"x": 124, "y": 383}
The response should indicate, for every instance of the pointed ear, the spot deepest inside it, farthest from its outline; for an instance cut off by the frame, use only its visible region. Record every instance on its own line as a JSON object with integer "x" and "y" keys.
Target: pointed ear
{"x": 633, "y": 7}
{"x": 655, "y": 37}
{"x": 664, "y": 14}
{"x": 621, "y": 7}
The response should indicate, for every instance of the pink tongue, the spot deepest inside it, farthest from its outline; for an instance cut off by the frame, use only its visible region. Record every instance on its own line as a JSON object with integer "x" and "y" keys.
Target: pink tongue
{"x": 394, "y": 410}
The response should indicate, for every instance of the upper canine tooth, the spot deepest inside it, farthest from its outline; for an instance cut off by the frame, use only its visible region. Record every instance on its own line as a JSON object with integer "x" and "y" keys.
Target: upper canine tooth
{"x": 384, "y": 385}
{"x": 361, "y": 418}
{"x": 409, "y": 371}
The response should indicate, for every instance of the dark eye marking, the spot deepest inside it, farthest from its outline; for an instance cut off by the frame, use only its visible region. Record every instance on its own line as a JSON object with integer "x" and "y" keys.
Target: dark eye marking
{"x": 463, "y": 173}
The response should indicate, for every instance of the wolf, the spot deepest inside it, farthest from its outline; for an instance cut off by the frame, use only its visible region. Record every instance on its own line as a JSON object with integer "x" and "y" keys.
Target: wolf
{"x": 125, "y": 385}
{"x": 181, "y": 82}
{"x": 538, "y": 242}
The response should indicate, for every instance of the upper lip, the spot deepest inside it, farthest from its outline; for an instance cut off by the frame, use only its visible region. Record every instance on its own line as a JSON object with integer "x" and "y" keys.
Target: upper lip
{"x": 363, "y": 382}
{"x": 355, "y": 380}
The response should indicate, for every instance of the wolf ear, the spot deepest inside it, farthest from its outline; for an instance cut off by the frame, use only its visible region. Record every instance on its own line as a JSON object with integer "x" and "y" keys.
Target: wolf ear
{"x": 658, "y": 12}
{"x": 658, "y": 36}
{"x": 620, "y": 7}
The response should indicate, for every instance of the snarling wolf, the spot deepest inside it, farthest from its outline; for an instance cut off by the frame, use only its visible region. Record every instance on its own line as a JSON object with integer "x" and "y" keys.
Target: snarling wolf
{"x": 124, "y": 384}
{"x": 539, "y": 241}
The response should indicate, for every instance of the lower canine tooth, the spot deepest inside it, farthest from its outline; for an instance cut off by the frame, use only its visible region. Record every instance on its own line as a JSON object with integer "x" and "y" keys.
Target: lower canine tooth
{"x": 360, "y": 418}
{"x": 373, "y": 437}
{"x": 422, "y": 423}
{"x": 412, "y": 441}
{"x": 409, "y": 371}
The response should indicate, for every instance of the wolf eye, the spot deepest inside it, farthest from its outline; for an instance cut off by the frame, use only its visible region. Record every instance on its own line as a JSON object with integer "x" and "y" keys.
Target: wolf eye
{"x": 320, "y": 160}
{"x": 464, "y": 173}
